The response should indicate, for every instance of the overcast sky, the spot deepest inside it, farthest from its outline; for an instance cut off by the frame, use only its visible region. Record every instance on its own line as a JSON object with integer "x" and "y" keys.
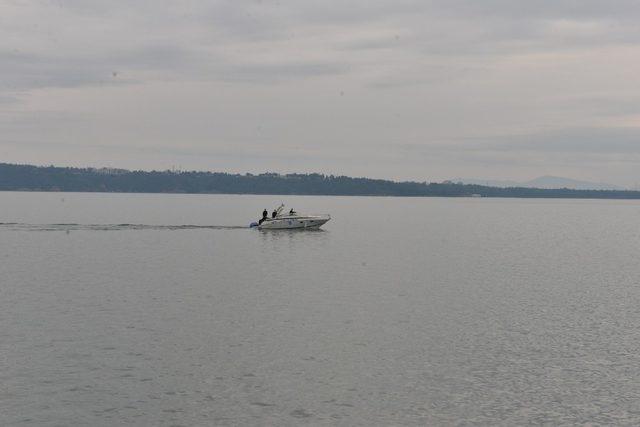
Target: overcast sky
{"x": 422, "y": 90}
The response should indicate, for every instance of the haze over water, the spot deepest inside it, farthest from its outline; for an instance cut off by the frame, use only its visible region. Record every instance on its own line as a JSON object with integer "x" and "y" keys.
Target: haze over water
{"x": 167, "y": 310}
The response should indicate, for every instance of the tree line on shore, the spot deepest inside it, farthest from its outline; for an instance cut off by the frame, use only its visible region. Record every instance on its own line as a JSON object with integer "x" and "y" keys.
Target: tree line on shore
{"x": 36, "y": 178}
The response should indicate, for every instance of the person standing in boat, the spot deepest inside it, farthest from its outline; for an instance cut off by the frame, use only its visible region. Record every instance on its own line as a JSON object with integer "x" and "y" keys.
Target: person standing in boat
{"x": 265, "y": 214}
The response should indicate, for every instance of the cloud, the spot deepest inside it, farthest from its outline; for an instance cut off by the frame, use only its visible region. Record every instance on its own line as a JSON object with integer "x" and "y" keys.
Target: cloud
{"x": 574, "y": 141}
{"x": 279, "y": 72}
{"x": 588, "y": 140}
{"x": 83, "y": 42}
{"x": 25, "y": 71}
{"x": 400, "y": 89}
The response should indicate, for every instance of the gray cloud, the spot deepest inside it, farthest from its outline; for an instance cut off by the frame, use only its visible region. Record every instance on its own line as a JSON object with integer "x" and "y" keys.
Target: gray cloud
{"x": 401, "y": 89}
{"x": 576, "y": 141}
{"x": 280, "y": 71}
{"x": 24, "y": 71}
{"x": 589, "y": 140}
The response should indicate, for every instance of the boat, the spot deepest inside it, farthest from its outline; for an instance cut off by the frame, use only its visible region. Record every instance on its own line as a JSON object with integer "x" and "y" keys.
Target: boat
{"x": 290, "y": 221}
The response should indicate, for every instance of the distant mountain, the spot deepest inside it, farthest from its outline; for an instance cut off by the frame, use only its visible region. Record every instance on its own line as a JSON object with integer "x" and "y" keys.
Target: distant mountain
{"x": 546, "y": 182}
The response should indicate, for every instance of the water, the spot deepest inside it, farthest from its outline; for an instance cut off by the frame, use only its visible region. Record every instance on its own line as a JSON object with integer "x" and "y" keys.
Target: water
{"x": 166, "y": 310}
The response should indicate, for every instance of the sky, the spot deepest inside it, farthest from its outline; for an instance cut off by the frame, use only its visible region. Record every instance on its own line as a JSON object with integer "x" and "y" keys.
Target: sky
{"x": 406, "y": 90}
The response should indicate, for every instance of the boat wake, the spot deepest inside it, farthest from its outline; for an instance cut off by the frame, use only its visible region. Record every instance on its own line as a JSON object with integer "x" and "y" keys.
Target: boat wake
{"x": 15, "y": 226}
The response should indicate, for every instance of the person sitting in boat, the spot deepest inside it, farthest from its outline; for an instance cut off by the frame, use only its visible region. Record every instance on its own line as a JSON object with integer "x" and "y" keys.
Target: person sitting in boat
{"x": 265, "y": 214}
{"x": 292, "y": 212}
{"x": 273, "y": 215}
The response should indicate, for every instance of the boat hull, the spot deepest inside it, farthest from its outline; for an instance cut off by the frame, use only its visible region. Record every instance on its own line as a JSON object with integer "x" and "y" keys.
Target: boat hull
{"x": 295, "y": 223}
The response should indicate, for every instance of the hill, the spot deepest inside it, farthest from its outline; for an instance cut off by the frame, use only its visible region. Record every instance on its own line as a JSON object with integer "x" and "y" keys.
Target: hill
{"x": 33, "y": 178}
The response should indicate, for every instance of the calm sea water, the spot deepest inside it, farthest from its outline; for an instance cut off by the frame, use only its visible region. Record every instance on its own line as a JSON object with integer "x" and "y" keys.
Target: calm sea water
{"x": 401, "y": 312}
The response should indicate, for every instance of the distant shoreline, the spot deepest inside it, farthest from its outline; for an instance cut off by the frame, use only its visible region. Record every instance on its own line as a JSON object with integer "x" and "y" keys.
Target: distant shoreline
{"x": 28, "y": 178}
{"x": 166, "y": 193}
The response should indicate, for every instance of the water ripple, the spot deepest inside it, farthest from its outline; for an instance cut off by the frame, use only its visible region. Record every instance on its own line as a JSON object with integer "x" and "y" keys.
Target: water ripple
{"x": 15, "y": 226}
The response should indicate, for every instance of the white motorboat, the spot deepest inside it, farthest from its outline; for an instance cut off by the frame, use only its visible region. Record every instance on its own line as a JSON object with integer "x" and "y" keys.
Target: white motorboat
{"x": 291, "y": 220}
